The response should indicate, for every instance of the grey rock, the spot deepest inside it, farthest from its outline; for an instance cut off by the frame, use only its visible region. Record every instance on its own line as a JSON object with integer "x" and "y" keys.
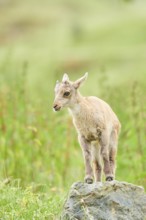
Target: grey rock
{"x": 105, "y": 201}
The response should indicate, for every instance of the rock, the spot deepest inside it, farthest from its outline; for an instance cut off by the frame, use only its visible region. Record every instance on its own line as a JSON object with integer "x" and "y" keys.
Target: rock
{"x": 105, "y": 201}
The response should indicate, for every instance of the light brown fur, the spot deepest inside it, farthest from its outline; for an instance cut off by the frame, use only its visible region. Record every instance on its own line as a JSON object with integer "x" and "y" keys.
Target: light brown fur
{"x": 97, "y": 127}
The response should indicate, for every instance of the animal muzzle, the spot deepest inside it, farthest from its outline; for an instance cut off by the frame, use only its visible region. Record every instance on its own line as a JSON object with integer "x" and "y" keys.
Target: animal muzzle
{"x": 56, "y": 107}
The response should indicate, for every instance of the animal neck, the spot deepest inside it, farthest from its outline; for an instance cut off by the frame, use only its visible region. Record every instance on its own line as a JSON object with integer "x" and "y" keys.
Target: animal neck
{"x": 75, "y": 108}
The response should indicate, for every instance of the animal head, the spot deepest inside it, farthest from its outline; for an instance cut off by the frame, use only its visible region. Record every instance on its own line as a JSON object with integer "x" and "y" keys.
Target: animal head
{"x": 66, "y": 92}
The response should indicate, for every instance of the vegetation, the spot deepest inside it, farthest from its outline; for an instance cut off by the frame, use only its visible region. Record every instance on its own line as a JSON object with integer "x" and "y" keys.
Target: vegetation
{"x": 39, "y": 154}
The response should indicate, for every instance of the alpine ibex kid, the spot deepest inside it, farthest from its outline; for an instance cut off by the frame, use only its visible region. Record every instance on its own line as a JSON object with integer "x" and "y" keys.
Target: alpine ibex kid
{"x": 96, "y": 124}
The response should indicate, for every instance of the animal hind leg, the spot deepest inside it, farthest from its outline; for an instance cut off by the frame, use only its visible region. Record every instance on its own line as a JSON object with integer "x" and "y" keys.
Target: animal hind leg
{"x": 104, "y": 142}
{"x": 113, "y": 152}
{"x": 112, "y": 159}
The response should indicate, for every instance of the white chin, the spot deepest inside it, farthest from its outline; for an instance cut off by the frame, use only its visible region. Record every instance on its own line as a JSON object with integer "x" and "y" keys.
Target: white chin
{"x": 56, "y": 110}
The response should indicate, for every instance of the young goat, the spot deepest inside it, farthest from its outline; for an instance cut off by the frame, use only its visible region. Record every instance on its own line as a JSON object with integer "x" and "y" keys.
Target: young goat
{"x": 96, "y": 124}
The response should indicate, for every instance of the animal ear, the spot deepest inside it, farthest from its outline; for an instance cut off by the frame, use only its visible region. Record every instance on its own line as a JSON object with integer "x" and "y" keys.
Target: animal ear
{"x": 65, "y": 78}
{"x": 78, "y": 82}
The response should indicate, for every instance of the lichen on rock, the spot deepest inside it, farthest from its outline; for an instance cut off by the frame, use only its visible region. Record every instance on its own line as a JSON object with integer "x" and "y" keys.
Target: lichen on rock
{"x": 105, "y": 201}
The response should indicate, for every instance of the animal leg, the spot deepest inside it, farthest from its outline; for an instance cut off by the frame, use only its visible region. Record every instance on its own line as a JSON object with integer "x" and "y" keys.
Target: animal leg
{"x": 86, "y": 149}
{"x": 113, "y": 151}
{"x": 104, "y": 142}
{"x": 96, "y": 157}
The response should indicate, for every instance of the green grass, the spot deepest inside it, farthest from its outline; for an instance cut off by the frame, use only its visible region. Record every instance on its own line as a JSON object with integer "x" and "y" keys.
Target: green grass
{"x": 38, "y": 43}
{"x": 30, "y": 203}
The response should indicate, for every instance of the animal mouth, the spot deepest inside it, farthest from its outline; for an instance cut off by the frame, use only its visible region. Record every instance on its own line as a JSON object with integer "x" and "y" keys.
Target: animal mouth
{"x": 56, "y": 108}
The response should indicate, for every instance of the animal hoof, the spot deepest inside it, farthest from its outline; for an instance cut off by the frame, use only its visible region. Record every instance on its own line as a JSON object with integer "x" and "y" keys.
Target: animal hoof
{"x": 88, "y": 180}
{"x": 109, "y": 178}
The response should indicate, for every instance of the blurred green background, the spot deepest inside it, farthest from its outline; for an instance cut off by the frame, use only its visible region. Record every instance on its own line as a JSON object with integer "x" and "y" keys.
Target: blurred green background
{"x": 39, "y": 41}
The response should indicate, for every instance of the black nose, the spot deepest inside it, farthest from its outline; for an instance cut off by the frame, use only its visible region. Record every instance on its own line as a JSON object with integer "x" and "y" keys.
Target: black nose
{"x": 56, "y": 107}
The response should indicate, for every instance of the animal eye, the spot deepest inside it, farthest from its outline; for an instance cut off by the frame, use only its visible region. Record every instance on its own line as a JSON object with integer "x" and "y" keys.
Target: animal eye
{"x": 66, "y": 94}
